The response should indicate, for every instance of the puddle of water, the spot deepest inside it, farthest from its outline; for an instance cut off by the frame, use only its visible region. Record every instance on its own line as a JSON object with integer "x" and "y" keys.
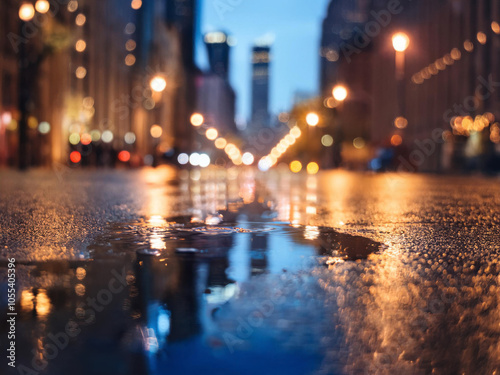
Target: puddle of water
{"x": 165, "y": 296}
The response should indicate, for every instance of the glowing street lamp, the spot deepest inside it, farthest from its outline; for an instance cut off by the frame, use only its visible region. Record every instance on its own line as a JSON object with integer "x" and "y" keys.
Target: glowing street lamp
{"x": 42, "y": 6}
{"x": 26, "y": 12}
{"x": 312, "y": 119}
{"x": 400, "y": 42}
{"x": 196, "y": 119}
{"x": 158, "y": 83}
{"x": 339, "y": 93}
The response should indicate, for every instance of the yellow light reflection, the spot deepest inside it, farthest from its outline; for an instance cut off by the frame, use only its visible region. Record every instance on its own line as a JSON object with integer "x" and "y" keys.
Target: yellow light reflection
{"x": 80, "y": 273}
{"x": 27, "y": 300}
{"x": 43, "y": 305}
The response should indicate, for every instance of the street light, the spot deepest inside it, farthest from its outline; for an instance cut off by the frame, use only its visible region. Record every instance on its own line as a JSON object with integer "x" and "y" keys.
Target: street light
{"x": 339, "y": 93}
{"x": 197, "y": 119}
{"x": 42, "y": 6}
{"x": 312, "y": 119}
{"x": 26, "y": 12}
{"x": 158, "y": 83}
{"x": 400, "y": 42}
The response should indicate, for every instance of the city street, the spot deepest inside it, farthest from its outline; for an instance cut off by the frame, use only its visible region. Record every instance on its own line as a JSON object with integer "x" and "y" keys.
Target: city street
{"x": 236, "y": 271}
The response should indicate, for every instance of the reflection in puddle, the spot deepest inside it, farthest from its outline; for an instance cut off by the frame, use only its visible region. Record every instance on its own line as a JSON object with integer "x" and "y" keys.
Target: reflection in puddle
{"x": 185, "y": 292}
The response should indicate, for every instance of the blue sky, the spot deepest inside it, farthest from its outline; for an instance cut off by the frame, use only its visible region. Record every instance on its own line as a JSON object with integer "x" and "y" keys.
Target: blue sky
{"x": 296, "y": 26}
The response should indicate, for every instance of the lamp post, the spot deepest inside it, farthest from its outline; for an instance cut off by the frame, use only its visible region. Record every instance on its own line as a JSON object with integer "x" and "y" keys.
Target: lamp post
{"x": 158, "y": 84}
{"x": 312, "y": 120}
{"x": 340, "y": 94}
{"x": 400, "y": 42}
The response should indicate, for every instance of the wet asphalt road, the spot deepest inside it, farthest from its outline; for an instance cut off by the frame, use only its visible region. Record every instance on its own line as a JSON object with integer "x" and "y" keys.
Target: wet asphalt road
{"x": 236, "y": 272}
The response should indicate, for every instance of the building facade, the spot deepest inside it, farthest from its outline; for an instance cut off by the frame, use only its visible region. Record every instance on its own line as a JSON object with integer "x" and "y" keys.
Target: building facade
{"x": 90, "y": 64}
{"x": 447, "y": 74}
{"x": 261, "y": 60}
{"x": 216, "y": 99}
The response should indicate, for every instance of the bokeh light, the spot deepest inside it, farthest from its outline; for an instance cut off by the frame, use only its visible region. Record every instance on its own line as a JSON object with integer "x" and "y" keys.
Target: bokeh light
{"x": 96, "y": 135}
{"x": 129, "y": 138}
{"x": 339, "y": 93}
{"x": 136, "y": 4}
{"x": 247, "y": 158}
{"x": 295, "y": 166}
{"x": 44, "y": 127}
{"x": 183, "y": 158}
{"x": 156, "y": 131}
{"x": 130, "y": 59}
{"x": 358, "y": 143}
{"x": 42, "y": 6}
{"x": 73, "y": 6}
{"x": 80, "y": 19}
{"x": 197, "y": 119}
{"x": 194, "y": 159}
{"x": 80, "y": 72}
{"x": 204, "y": 160}
{"x": 75, "y": 157}
{"x": 312, "y": 119}
{"x": 107, "y": 136}
{"x": 211, "y": 133}
{"x": 26, "y": 12}
{"x": 396, "y": 140}
{"x": 400, "y": 122}
{"x": 327, "y": 140}
{"x": 80, "y": 45}
{"x": 400, "y": 42}
{"x": 74, "y": 138}
{"x": 124, "y": 156}
{"x": 220, "y": 143}
{"x": 85, "y": 139}
{"x": 158, "y": 83}
{"x": 312, "y": 168}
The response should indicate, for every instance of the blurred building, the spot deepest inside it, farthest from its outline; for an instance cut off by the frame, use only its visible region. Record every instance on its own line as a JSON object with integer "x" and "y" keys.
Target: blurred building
{"x": 443, "y": 75}
{"x": 8, "y": 78}
{"x": 86, "y": 86}
{"x": 216, "y": 98}
{"x": 261, "y": 59}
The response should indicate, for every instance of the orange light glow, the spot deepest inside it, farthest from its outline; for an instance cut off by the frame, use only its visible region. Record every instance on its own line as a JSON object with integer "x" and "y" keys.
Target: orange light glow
{"x": 312, "y": 168}
{"x": 26, "y": 12}
{"x": 42, "y": 6}
{"x": 339, "y": 93}
{"x": 211, "y": 134}
{"x": 396, "y": 140}
{"x": 75, "y": 157}
{"x": 158, "y": 83}
{"x": 312, "y": 119}
{"x": 124, "y": 156}
{"x": 295, "y": 166}
{"x": 156, "y": 131}
{"x": 197, "y": 119}
{"x": 136, "y": 4}
{"x": 481, "y": 37}
{"x": 220, "y": 143}
{"x": 400, "y": 42}
{"x": 85, "y": 139}
{"x": 400, "y": 122}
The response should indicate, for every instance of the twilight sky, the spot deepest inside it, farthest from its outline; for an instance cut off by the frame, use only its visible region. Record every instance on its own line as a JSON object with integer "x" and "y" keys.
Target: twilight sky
{"x": 296, "y": 27}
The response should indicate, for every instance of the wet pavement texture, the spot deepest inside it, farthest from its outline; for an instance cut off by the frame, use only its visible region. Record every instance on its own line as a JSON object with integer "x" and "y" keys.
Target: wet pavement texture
{"x": 159, "y": 271}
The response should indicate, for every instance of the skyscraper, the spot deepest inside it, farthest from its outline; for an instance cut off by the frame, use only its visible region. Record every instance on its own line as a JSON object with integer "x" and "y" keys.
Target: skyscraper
{"x": 218, "y": 53}
{"x": 215, "y": 96}
{"x": 261, "y": 59}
